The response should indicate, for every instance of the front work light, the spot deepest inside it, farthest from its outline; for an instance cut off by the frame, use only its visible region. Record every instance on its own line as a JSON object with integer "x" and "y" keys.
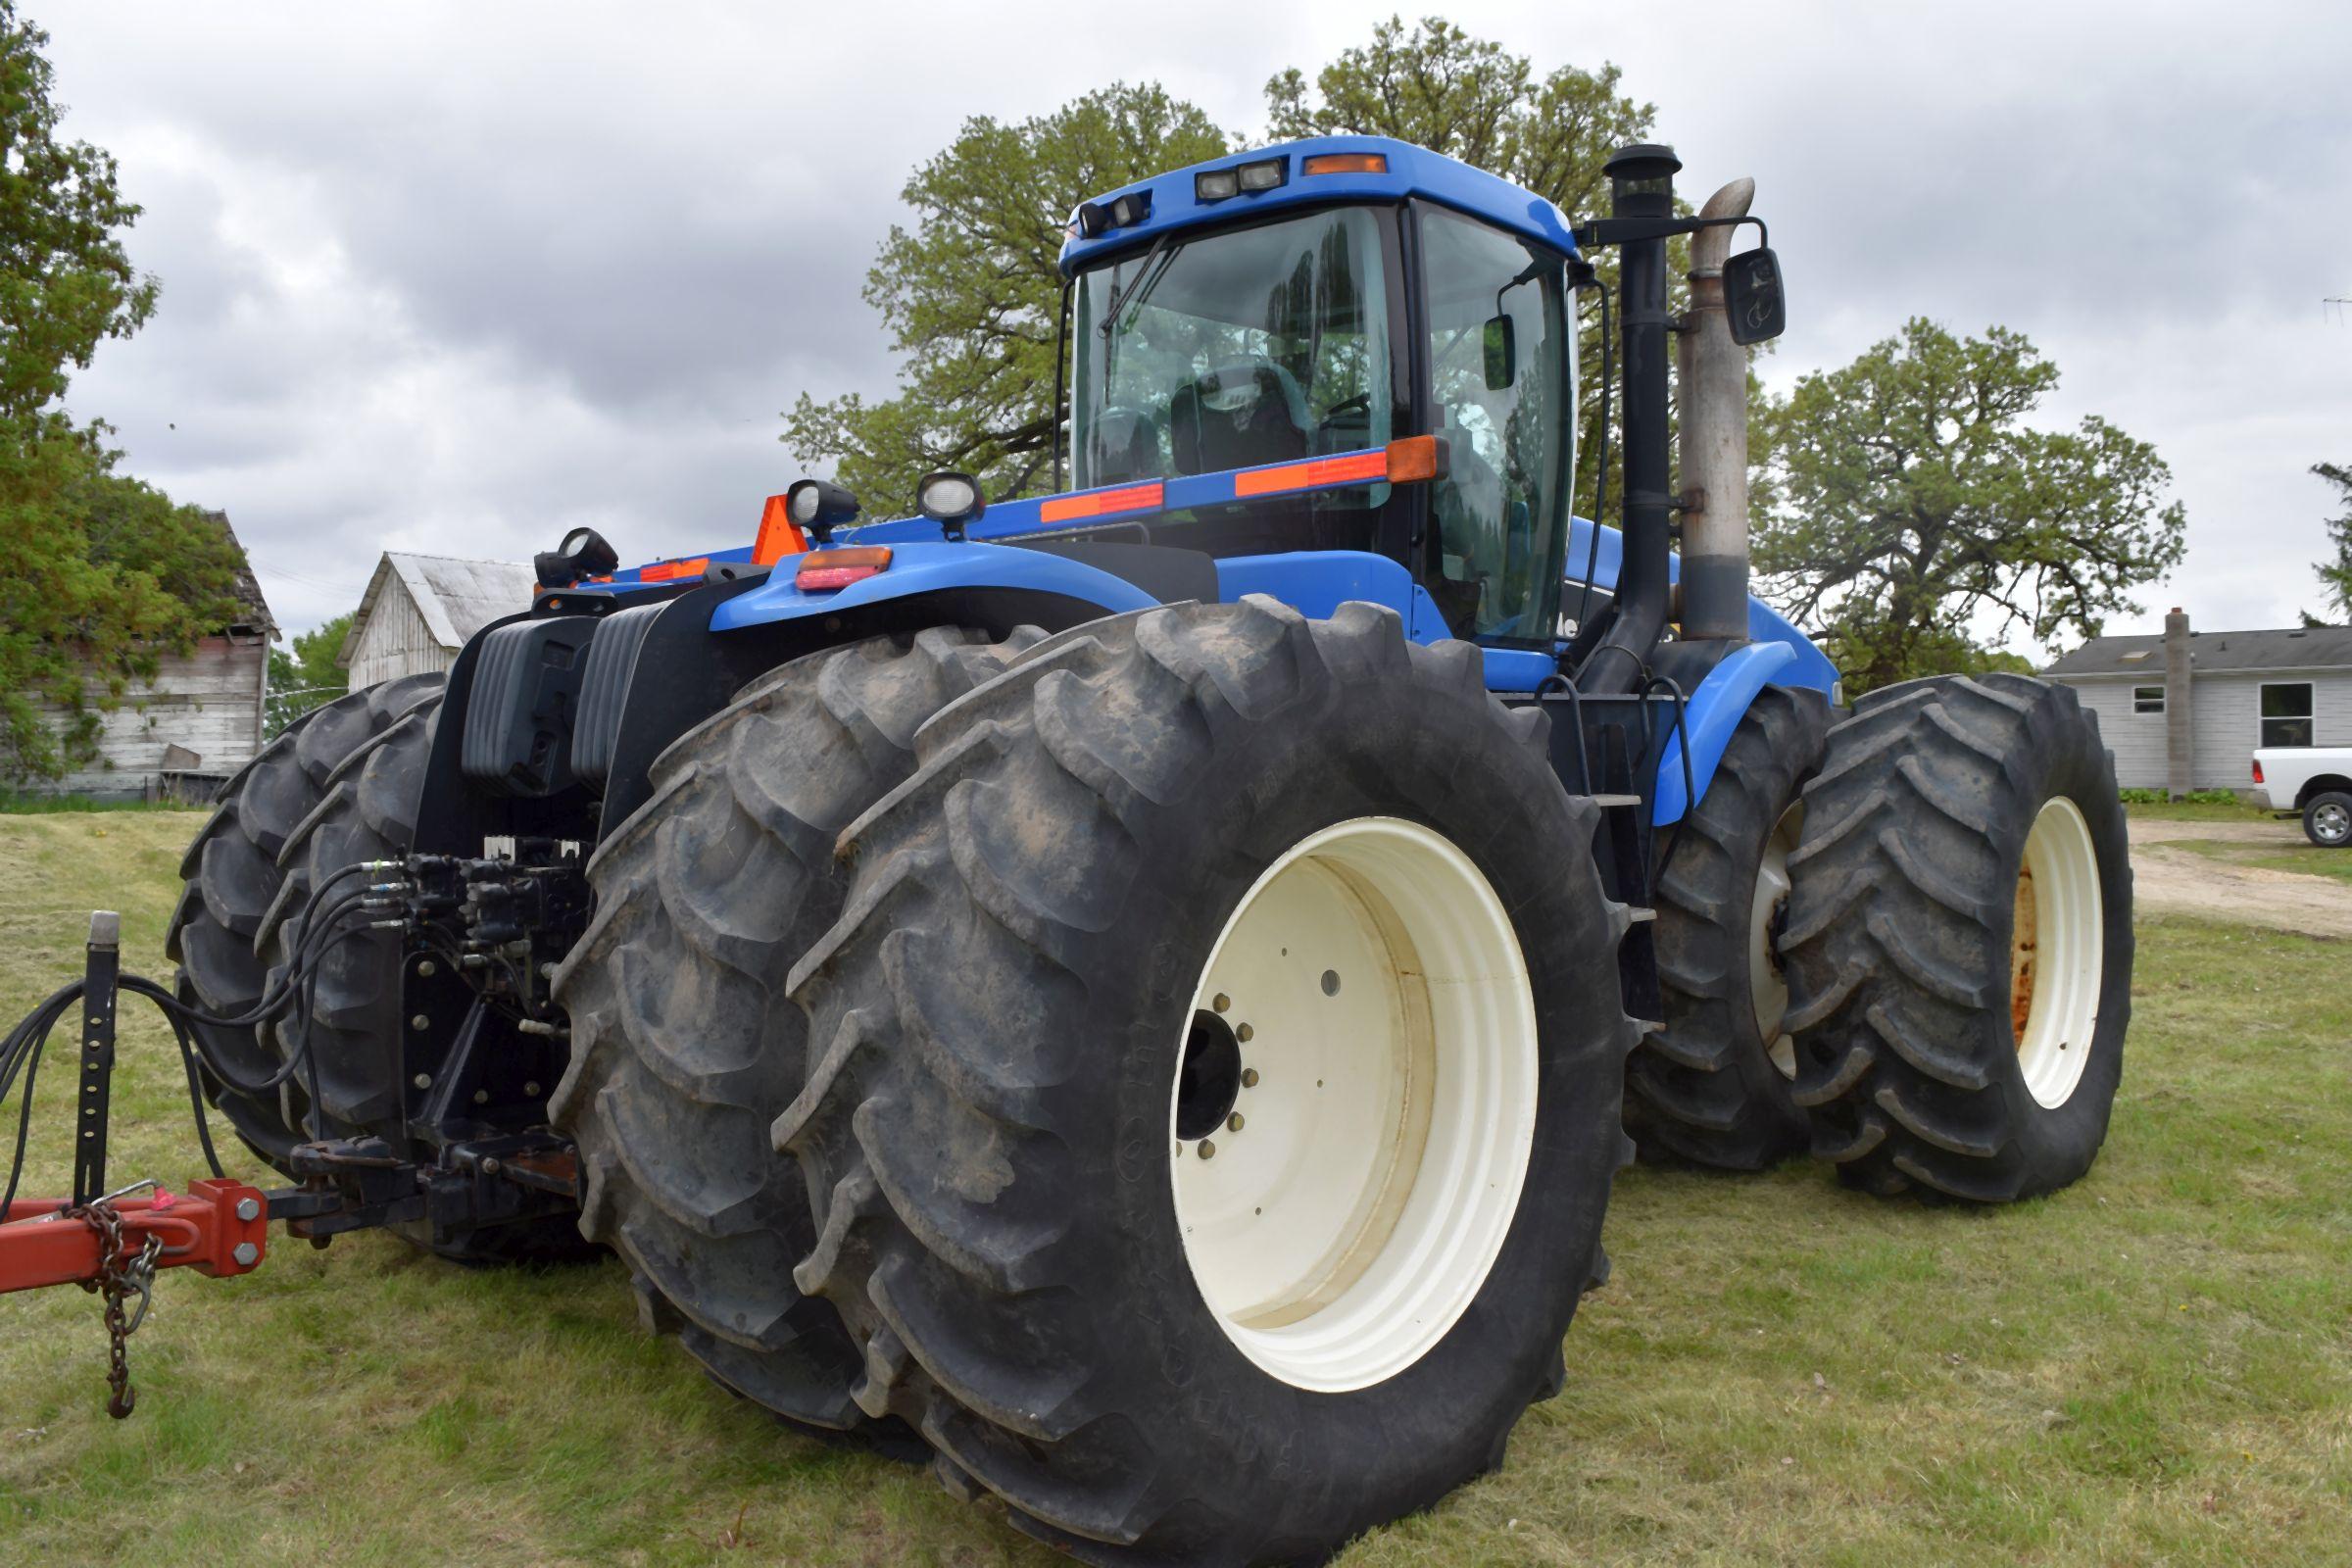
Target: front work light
{"x": 950, "y": 499}
{"x": 1267, "y": 174}
{"x": 817, "y": 507}
{"x": 582, "y": 554}
{"x": 1216, "y": 184}
{"x": 825, "y": 570}
{"x": 1120, "y": 211}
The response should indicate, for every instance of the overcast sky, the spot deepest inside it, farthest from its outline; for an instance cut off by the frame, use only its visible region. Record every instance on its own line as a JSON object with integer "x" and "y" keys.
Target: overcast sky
{"x": 454, "y": 278}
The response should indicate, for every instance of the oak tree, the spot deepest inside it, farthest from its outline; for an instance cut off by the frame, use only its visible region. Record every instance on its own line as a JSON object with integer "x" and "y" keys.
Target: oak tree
{"x": 1916, "y": 516}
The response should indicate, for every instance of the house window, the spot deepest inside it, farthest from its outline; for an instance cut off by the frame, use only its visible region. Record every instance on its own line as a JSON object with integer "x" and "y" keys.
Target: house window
{"x": 2287, "y": 712}
{"x": 2148, "y": 699}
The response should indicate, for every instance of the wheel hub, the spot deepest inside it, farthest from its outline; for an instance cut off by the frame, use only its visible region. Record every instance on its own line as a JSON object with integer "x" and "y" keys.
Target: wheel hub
{"x": 1362, "y": 1047}
{"x": 2057, "y": 953}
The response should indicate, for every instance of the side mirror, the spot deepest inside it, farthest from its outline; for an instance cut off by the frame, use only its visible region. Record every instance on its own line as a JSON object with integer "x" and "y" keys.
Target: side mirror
{"x": 1755, "y": 305}
{"x": 1503, "y": 353}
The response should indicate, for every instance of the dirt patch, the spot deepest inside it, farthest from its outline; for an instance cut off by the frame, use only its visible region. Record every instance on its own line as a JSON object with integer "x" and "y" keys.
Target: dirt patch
{"x": 2147, "y": 830}
{"x": 2178, "y": 881}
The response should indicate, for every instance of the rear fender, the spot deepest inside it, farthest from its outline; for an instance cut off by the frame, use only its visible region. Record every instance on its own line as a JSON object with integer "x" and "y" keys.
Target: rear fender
{"x": 705, "y": 647}
{"x": 1710, "y": 715}
{"x": 939, "y": 571}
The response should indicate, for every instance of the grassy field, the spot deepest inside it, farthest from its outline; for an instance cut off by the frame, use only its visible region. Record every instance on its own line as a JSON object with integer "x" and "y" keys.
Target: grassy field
{"x": 2154, "y": 1366}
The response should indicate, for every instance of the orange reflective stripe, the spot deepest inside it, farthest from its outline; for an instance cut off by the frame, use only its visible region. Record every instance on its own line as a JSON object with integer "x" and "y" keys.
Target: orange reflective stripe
{"x": 779, "y": 536}
{"x": 1133, "y": 498}
{"x": 664, "y": 570}
{"x": 1312, "y": 474}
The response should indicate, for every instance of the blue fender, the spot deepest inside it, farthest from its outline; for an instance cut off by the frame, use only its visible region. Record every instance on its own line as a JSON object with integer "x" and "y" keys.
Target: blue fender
{"x": 1711, "y": 714}
{"x": 919, "y": 569}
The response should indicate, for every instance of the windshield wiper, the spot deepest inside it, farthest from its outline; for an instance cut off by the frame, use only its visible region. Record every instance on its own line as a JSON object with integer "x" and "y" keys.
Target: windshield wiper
{"x": 1120, "y": 297}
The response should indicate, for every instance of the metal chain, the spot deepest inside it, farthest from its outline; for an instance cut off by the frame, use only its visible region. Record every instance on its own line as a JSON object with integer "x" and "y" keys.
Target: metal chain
{"x": 117, "y": 1280}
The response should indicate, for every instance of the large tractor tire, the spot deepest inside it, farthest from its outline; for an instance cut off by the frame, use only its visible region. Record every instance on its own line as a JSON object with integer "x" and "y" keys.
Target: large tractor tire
{"x": 684, "y": 1049}
{"x": 234, "y": 880}
{"x": 1959, "y": 940}
{"x": 1215, "y": 1079}
{"x": 1713, "y": 1085}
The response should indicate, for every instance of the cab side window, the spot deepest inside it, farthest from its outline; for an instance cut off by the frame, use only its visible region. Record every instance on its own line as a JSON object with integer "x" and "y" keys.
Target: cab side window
{"x": 1499, "y": 393}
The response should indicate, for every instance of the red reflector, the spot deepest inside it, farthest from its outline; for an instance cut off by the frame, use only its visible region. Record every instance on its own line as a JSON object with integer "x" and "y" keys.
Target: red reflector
{"x": 1101, "y": 503}
{"x": 822, "y": 570}
{"x": 664, "y": 570}
{"x": 1347, "y": 163}
{"x": 1312, "y": 474}
{"x": 779, "y": 536}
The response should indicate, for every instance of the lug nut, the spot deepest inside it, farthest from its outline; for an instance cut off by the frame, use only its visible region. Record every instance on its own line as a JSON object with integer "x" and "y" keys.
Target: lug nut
{"x": 1233, "y": 1123}
{"x": 481, "y": 1097}
{"x": 1208, "y": 1151}
{"x": 530, "y": 1091}
{"x": 426, "y": 969}
{"x": 1221, "y": 1001}
{"x": 1249, "y": 1077}
{"x": 1245, "y": 1034}
{"x": 423, "y": 1080}
{"x": 420, "y": 1023}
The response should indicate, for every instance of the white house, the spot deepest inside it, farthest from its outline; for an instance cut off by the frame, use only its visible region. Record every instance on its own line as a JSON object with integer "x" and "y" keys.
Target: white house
{"x": 419, "y": 611}
{"x": 2185, "y": 709}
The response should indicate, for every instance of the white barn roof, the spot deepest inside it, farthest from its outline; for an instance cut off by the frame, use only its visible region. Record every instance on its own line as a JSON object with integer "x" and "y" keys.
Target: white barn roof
{"x": 456, "y": 598}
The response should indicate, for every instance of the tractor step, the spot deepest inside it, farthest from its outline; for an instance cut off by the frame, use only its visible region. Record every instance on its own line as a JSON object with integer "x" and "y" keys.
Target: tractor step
{"x": 1639, "y": 913}
{"x": 1616, "y": 802}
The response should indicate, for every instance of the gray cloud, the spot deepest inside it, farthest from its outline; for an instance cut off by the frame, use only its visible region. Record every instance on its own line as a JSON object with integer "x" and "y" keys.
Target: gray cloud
{"x": 456, "y": 277}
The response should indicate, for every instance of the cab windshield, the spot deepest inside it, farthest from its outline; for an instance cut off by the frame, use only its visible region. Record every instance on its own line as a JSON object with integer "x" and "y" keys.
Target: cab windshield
{"x": 1238, "y": 348}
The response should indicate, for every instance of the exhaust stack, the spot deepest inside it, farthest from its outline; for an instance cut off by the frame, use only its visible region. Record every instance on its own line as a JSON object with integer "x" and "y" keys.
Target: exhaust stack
{"x": 1714, "y": 437}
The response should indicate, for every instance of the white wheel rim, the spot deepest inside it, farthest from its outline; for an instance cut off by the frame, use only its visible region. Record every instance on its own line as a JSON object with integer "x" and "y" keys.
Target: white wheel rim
{"x": 1767, "y": 986}
{"x": 1379, "y": 1003}
{"x": 2332, "y": 821}
{"x": 2057, "y": 954}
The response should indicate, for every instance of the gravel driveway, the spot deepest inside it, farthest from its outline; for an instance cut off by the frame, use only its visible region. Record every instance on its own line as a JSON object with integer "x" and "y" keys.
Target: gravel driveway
{"x": 2183, "y": 882}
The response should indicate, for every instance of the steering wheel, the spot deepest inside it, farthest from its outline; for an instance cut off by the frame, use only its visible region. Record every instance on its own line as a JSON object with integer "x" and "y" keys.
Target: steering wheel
{"x": 1331, "y": 416}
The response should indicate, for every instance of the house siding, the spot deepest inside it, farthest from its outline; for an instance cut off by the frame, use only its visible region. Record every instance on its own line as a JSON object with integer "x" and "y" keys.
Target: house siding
{"x": 207, "y": 702}
{"x": 396, "y": 641}
{"x": 2225, "y": 707}
{"x": 2135, "y": 739}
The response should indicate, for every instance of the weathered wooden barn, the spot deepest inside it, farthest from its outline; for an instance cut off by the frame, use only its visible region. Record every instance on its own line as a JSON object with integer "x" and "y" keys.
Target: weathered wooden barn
{"x": 198, "y": 721}
{"x": 419, "y": 611}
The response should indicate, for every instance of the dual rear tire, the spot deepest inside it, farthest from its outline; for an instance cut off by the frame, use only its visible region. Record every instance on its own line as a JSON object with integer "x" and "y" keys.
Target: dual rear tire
{"x": 1959, "y": 940}
{"x": 1193, "y": 1051}
{"x": 1129, "y": 1269}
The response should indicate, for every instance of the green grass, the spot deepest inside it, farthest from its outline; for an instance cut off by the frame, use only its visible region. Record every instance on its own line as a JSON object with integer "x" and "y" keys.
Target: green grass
{"x": 2155, "y": 1365}
{"x": 12, "y": 804}
{"x": 2301, "y": 855}
{"x": 2200, "y": 811}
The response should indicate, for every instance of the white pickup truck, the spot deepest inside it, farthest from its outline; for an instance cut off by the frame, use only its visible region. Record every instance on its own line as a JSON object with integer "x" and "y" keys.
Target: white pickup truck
{"x": 2314, "y": 782}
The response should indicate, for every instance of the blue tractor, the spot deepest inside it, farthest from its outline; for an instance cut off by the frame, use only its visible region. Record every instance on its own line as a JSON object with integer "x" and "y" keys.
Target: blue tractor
{"x": 1135, "y": 996}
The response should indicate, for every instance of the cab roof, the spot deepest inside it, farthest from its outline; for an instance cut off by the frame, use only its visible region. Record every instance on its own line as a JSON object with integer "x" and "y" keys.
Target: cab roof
{"x": 1173, "y": 204}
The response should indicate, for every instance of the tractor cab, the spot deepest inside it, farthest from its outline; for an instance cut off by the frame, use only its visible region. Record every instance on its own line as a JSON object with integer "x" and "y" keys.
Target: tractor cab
{"x": 1327, "y": 299}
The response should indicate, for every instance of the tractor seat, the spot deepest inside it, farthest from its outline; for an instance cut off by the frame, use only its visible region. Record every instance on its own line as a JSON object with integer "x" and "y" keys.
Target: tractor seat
{"x": 1237, "y": 416}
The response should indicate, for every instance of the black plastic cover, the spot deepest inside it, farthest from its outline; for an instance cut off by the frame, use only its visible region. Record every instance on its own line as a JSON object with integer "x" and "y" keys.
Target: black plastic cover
{"x": 526, "y": 697}
{"x": 605, "y": 691}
